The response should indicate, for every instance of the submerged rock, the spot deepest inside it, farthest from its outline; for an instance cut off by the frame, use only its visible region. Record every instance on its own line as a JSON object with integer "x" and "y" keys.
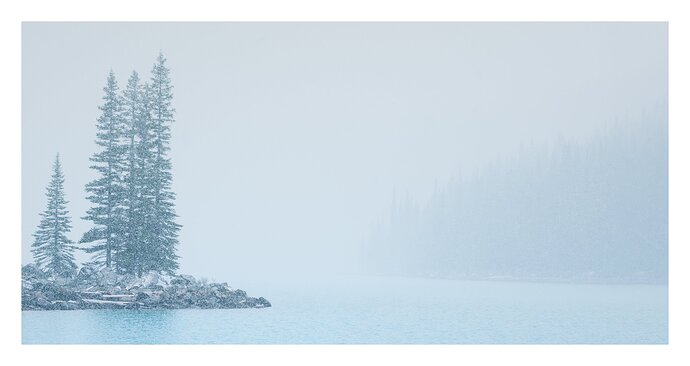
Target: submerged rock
{"x": 94, "y": 288}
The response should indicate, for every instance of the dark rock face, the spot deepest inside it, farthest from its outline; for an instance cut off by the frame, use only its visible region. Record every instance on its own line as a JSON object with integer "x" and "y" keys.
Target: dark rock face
{"x": 93, "y": 288}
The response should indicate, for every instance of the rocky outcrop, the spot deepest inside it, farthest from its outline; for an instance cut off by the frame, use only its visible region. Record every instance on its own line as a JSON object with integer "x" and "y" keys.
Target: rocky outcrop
{"x": 94, "y": 288}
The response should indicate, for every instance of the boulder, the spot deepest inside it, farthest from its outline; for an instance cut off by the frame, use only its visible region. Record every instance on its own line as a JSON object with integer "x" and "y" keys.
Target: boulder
{"x": 147, "y": 279}
{"x": 263, "y": 302}
{"x": 26, "y": 285}
{"x": 107, "y": 277}
{"x": 182, "y": 280}
{"x": 87, "y": 273}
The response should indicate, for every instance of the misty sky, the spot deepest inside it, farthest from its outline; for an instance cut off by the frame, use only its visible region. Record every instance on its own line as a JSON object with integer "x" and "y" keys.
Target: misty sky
{"x": 291, "y": 138}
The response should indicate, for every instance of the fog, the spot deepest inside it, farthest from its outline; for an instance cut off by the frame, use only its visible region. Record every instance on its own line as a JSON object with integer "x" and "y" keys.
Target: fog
{"x": 292, "y": 139}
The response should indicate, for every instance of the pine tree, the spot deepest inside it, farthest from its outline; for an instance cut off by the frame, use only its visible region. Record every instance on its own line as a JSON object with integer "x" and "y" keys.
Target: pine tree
{"x": 52, "y": 249}
{"x": 164, "y": 226}
{"x": 107, "y": 191}
{"x": 133, "y": 114}
{"x": 146, "y": 256}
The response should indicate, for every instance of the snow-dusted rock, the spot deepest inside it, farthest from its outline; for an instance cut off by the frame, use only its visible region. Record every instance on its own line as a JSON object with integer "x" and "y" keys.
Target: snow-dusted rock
{"x": 146, "y": 280}
{"x": 94, "y": 288}
{"x": 107, "y": 277}
{"x": 87, "y": 272}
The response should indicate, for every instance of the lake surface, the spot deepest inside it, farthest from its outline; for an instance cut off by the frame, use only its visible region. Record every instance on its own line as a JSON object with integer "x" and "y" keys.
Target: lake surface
{"x": 383, "y": 310}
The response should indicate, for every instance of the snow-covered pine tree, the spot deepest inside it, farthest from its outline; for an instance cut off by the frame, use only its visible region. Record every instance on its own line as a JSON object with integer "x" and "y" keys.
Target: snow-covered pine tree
{"x": 164, "y": 226}
{"x": 52, "y": 250}
{"x": 130, "y": 257}
{"x": 147, "y": 257}
{"x": 107, "y": 192}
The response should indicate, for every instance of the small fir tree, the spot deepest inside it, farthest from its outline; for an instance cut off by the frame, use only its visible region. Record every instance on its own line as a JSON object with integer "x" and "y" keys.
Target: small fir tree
{"x": 52, "y": 250}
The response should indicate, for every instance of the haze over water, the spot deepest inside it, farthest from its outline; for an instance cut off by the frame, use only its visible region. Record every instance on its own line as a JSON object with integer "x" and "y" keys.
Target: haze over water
{"x": 291, "y": 139}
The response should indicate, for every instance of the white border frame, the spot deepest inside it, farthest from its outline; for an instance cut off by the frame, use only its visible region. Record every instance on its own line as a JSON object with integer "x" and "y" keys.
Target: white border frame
{"x": 11, "y": 17}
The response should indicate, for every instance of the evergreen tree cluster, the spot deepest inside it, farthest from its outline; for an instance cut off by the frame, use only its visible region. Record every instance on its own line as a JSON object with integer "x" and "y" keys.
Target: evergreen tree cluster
{"x": 579, "y": 211}
{"x": 133, "y": 206}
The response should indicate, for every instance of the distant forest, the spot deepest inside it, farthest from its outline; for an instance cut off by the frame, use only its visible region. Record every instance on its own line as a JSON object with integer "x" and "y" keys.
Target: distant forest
{"x": 594, "y": 211}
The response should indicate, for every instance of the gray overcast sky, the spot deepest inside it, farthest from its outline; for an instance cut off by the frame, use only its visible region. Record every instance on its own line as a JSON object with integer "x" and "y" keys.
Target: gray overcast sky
{"x": 292, "y": 137}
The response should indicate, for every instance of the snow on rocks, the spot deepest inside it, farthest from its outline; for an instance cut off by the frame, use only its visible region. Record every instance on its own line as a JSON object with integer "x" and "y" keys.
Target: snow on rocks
{"x": 94, "y": 288}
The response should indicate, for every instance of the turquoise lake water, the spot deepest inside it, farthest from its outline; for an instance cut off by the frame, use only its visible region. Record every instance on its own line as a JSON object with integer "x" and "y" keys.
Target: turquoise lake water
{"x": 383, "y": 310}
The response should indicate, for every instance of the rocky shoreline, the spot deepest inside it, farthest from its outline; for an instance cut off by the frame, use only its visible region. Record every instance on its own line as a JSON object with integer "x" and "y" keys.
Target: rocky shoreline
{"x": 93, "y": 288}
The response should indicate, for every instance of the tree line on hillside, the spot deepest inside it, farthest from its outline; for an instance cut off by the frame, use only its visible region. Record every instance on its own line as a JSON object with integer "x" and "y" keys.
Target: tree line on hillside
{"x": 594, "y": 211}
{"x": 132, "y": 204}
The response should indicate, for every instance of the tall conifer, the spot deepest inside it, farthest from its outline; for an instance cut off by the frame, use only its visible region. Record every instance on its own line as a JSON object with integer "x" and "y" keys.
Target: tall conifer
{"x": 107, "y": 191}
{"x": 165, "y": 228}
